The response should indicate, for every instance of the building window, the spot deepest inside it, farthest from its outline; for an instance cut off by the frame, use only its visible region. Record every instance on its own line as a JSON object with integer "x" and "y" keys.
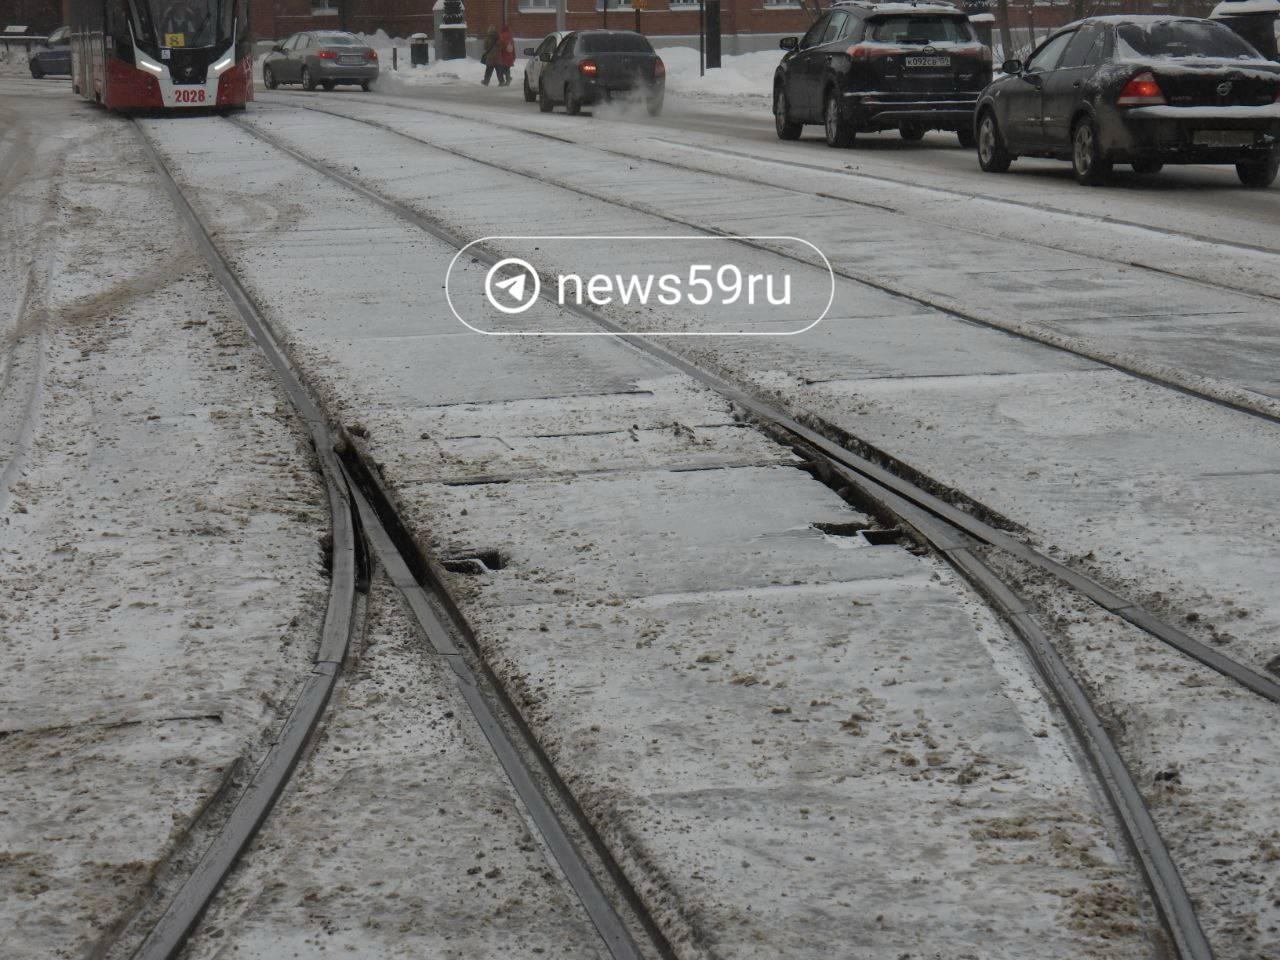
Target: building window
{"x": 781, "y": 3}
{"x": 614, "y": 4}
{"x": 537, "y": 6}
{"x": 324, "y": 8}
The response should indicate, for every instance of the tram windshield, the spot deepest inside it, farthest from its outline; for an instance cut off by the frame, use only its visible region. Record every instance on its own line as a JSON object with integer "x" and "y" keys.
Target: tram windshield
{"x": 189, "y": 23}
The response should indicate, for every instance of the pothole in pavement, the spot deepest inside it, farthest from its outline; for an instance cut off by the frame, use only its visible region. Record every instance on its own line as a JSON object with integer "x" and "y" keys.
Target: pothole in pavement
{"x": 475, "y": 562}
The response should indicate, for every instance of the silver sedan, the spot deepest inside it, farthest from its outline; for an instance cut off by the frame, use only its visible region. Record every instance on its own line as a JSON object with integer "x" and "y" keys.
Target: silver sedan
{"x": 322, "y": 59}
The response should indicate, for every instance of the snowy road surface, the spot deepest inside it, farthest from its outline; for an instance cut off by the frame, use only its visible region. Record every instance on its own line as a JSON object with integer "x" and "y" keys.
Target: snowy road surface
{"x": 792, "y": 740}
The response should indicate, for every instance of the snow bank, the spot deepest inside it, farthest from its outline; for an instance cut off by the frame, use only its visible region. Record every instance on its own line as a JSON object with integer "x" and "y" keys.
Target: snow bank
{"x": 434, "y": 74}
{"x": 743, "y": 75}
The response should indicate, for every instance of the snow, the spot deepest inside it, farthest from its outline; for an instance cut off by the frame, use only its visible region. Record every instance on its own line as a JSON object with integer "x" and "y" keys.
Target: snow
{"x": 1120, "y": 474}
{"x": 666, "y": 598}
{"x": 1237, "y": 8}
{"x": 778, "y": 730}
{"x": 740, "y": 77}
{"x": 401, "y": 800}
{"x": 1269, "y": 112}
{"x": 745, "y": 76}
{"x": 160, "y": 587}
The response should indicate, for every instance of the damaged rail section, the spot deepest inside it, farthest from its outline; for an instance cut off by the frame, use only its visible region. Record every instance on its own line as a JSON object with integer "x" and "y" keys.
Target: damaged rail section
{"x": 360, "y": 510}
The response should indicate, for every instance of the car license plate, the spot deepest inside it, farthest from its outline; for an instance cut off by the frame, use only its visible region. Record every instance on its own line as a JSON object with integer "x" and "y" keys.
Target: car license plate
{"x": 928, "y": 61}
{"x": 1223, "y": 138}
{"x": 351, "y": 59}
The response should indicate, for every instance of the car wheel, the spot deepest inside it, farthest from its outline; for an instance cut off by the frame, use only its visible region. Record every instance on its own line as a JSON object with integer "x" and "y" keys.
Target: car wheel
{"x": 1147, "y": 167}
{"x": 787, "y": 128}
{"x": 529, "y": 94}
{"x": 366, "y": 85}
{"x": 544, "y": 100}
{"x": 911, "y": 133}
{"x": 839, "y": 129}
{"x": 993, "y": 155}
{"x": 1259, "y": 173}
{"x": 1090, "y": 167}
{"x": 968, "y": 139}
{"x": 36, "y": 72}
{"x": 654, "y": 105}
{"x": 327, "y": 84}
{"x": 269, "y": 78}
{"x": 572, "y": 105}
{"x": 307, "y": 82}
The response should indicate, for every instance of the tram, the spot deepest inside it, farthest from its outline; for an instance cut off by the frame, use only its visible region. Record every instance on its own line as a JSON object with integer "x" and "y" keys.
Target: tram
{"x": 154, "y": 54}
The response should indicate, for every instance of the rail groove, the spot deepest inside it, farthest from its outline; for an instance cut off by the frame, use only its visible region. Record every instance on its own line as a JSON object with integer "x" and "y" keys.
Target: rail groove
{"x": 1232, "y": 397}
{"x": 362, "y": 509}
{"x": 953, "y": 534}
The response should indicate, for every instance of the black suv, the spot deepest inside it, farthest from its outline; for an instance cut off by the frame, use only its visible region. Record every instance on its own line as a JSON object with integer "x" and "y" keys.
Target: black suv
{"x": 865, "y": 66}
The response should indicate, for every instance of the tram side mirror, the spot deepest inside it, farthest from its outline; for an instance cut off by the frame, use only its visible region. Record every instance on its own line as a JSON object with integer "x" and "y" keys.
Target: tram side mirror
{"x": 789, "y": 43}
{"x": 1011, "y": 66}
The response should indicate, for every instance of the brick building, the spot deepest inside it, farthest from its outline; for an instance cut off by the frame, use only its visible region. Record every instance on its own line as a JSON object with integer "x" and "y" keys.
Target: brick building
{"x": 273, "y": 19}
{"x": 745, "y": 24}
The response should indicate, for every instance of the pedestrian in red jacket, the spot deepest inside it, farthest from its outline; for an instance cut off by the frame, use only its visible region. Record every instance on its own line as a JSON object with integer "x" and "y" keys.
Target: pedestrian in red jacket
{"x": 506, "y": 55}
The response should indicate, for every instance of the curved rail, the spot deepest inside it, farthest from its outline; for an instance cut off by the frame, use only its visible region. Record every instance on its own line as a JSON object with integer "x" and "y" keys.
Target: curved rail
{"x": 360, "y": 505}
{"x": 184, "y": 910}
{"x": 948, "y": 531}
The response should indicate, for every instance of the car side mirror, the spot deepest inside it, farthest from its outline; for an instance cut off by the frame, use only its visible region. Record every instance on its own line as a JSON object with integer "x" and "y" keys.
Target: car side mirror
{"x": 529, "y": 51}
{"x": 278, "y": 48}
{"x": 789, "y": 43}
{"x": 1011, "y": 66}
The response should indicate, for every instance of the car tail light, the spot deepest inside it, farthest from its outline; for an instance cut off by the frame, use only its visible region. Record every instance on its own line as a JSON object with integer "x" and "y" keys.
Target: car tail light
{"x": 326, "y": 54}
{"x": 979, "y": 50}
{"x": 659, "y": 68}
{"x": 860, "y": 51}
{"x": 373, "y": 55}
{"x": 587, "y": 68}
{"x": 1141, "y": 91}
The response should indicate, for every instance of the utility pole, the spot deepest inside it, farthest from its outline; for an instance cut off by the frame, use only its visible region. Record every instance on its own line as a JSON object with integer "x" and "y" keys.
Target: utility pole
{"x": 702, "y": 38}
{"x": 560, "y": 5}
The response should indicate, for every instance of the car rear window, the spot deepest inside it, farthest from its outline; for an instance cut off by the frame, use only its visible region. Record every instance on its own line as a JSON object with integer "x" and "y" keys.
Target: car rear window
{"x": 615, "y": 43}
{"x": 338, "y": 40}
{"x": 919, "y": 29}
{"x": 1182, "y": 38}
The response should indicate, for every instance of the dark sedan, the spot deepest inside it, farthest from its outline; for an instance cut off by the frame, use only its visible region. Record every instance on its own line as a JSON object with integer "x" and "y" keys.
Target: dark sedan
{"x": 54, "y": 60}
{"x": 1139, "y": 90}
{"x": 591, "y": 66}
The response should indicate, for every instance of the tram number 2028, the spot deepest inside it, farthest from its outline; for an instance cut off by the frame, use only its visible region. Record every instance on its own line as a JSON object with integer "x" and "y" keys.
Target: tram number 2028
{"x": 189, "y": 96}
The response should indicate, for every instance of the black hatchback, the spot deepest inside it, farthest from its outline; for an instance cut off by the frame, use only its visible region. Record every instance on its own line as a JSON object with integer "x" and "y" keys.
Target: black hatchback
{"x": 864, "y": 67}
{"x": 1139, "y": 90}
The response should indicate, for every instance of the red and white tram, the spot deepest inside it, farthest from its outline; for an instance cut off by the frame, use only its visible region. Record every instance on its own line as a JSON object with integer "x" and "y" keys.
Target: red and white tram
{"x": 145, "y": 54}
